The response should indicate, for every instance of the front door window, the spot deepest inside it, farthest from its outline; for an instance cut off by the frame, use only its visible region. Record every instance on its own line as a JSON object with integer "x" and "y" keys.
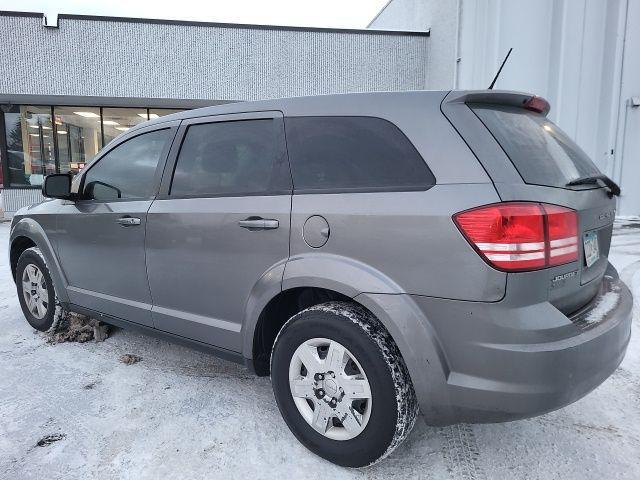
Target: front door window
{"x": 127, "y": 172}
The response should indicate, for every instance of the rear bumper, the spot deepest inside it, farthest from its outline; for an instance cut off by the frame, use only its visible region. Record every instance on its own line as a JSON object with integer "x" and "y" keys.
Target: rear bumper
{"x": 505, "y": 362}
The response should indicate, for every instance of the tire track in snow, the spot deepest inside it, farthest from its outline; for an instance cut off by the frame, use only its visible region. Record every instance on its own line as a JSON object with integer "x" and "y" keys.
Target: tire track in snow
{"x": 626, "y": 379}
{"x": 461, "y": 453}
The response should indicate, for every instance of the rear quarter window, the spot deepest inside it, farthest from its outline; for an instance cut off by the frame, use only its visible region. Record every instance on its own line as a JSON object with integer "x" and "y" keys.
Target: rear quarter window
{"x": 353, "y": 154}
{"x": 541, "y": 152}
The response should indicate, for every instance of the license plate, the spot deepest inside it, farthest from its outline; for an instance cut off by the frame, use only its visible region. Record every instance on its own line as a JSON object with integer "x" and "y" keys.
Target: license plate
{"x": 591, "y": 248}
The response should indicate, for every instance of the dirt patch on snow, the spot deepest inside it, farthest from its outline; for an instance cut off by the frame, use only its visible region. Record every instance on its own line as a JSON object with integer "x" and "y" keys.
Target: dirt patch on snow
{"x": 130, "y": 359}
{"x": 74, "y": 327}
{"x": 49, "y": 439}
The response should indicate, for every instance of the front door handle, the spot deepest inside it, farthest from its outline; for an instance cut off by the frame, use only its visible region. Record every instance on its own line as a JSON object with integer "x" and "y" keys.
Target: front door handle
{"x": 128, "y": 221}
{"x": 254, "y": 223}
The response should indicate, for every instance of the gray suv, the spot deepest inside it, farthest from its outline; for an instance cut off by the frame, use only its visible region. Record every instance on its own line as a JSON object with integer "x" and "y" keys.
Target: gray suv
{"x": 374, "y": 253}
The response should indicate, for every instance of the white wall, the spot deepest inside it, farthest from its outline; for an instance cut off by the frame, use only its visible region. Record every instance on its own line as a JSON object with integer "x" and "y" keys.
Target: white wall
{"x": 441, "y": 16}
{"x": 569, "y": 51}
{"x": 564, "y": 50}
{"x": 627, "y": 165}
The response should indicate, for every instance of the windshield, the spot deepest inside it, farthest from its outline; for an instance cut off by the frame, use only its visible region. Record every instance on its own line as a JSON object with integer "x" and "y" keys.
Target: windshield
{"x": 541, "y": 152}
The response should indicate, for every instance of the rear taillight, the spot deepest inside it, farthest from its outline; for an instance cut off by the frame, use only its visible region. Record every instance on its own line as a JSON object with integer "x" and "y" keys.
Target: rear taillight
{"x": 519, "y": 236}
{"x": 562, "y": 227}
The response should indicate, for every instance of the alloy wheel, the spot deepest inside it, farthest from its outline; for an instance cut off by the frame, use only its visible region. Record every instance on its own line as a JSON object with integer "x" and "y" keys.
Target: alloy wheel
{"x": 330, "y": 388}
{"x": 34, "y": 289}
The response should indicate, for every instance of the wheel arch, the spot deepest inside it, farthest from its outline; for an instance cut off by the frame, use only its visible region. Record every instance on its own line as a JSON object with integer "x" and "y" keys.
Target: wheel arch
{"x": 307, "y": 281}
{"x": 420, "y": 348}
{"x": 18, "y": 245}
{"x": 297, "y": 283}
{"x": 259, "y": 341}
{"x": 28, "y": 233}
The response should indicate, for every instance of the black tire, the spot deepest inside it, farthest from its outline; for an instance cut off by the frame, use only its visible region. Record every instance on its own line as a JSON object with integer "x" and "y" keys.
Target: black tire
{"x": 394, "y": 405}
{"x": 52, "y": 316}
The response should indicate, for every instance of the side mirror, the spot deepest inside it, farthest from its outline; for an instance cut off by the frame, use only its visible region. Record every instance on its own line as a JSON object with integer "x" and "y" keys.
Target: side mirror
{"x": 58, "y": 185}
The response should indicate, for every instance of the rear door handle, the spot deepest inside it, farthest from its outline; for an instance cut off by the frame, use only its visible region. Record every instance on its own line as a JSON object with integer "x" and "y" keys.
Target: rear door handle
{"x": 128, "y": 221}
{"x": 259, "y": 223}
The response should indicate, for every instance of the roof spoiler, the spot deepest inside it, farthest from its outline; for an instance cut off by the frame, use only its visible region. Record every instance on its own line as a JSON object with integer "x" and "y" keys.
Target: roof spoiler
{"x": 500, "y": 97}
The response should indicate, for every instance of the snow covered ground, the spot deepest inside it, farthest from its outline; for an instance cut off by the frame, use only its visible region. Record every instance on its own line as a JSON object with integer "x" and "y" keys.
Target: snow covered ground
{"x": 184, "y": 414}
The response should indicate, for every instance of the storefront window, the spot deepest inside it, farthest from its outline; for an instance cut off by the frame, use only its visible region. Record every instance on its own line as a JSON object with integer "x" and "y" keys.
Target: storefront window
{"x": 118, "y": 120}
{"x": 30, "y": 150}
{"x": 80, "y": 132}
{"x": 79, "y": 136}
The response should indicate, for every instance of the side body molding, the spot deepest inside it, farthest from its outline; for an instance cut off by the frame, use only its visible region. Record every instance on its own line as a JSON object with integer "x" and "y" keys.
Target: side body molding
{"x": 28, "y": 227}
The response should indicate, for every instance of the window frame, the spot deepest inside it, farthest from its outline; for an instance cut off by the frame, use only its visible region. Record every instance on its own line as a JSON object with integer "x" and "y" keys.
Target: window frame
{"x": 4, "y": 161}
{"x": 369, "y": 189}
{"x": 171, "y": 126}
{"x": 172, "y": 160}
{"x": 4, "y": 150}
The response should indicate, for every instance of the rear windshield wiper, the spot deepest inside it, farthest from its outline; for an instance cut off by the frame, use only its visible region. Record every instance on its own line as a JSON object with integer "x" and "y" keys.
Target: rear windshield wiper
{"x": 613, "y": 187}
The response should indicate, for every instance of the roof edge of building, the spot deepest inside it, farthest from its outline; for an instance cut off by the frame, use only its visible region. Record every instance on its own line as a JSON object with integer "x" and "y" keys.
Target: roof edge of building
{"x": 246, "y": 26}
{"x": 80, "y": 101}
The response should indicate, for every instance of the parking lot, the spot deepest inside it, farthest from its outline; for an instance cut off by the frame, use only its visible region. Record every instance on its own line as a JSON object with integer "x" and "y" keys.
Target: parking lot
{"x": 180, "y": 413}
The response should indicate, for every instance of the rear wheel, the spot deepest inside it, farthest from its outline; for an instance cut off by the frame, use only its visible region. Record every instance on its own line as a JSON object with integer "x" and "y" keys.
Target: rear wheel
{"x": 341, "y": 385}
{"x": 35, "y": 291}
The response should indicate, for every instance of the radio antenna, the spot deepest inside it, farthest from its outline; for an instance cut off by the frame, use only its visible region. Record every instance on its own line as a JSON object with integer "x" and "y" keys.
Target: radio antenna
{"x": 500, "y": 69}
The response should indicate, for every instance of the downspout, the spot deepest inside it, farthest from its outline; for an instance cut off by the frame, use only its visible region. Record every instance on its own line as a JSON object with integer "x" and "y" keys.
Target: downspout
{"x": 620, "y": 117}
{"x": 456, "y": 70}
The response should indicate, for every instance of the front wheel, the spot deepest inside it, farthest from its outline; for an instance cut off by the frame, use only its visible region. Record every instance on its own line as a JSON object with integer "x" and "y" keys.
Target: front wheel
{"x": 36, "y": 292}
{"x": 341, "y": 384}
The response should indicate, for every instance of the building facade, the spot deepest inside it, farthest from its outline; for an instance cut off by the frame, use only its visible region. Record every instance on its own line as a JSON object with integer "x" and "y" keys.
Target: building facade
{"x": 93, "y": 77}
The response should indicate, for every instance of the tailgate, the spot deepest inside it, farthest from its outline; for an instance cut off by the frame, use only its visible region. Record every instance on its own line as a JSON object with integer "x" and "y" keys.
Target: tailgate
{"x": 529, "y": 158}
{"x": 572, "y": 285}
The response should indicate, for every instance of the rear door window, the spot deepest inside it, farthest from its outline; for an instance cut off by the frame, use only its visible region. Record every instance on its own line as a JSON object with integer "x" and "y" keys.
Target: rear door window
{"x": 541, "y": 152}
{"x": 353, "y": 154}
{"x": 243, "y": 157}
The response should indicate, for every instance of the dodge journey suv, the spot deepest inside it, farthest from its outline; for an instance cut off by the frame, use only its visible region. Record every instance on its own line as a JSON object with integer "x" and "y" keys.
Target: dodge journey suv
{"x": 375, "y": 254}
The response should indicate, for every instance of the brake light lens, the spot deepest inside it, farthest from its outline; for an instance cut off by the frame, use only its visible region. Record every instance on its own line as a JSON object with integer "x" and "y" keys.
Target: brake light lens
{"x": 521, "y": 236}
{"x": 537, "y": 104}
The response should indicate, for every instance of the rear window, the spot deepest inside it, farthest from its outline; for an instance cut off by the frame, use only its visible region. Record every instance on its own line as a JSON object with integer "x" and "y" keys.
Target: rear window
{"x": 541, "y": 152}
{"x": 353, "y": 154}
